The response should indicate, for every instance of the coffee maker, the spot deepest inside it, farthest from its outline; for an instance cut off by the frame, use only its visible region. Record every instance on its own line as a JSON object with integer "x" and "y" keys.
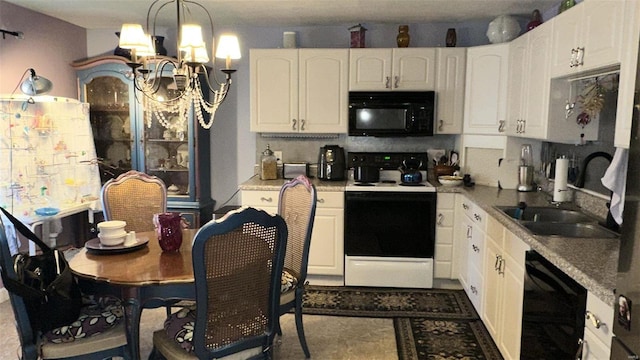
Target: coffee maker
{"x": 525, "y": 175}
{"x": 331, "y": 163}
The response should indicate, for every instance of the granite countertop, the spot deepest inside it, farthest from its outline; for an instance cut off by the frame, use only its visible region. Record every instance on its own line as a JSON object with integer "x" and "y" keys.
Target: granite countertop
{"x": 591, "y": 262}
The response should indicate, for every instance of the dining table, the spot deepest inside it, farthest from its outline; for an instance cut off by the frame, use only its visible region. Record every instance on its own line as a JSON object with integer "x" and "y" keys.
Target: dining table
{"x": 142, "y": 275}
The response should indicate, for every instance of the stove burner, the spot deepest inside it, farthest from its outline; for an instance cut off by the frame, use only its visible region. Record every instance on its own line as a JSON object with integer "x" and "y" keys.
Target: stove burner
{"x": 412, "y": 184}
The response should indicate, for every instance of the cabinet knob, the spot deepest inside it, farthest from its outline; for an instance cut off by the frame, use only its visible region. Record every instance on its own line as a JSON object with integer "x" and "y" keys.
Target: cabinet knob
{"x": 465, "y": 206}
{"x": 475, "y": 248}
{"x": 387, "y": 83}
{"x": 321, "y": 201}
{"x": 477, "y": 217}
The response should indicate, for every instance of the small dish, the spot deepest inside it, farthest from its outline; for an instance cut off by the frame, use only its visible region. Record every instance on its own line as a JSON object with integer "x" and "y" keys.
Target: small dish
{"x": 450, "y": 180}
{"x": 95, "y": 247}
{"x": 47, "y": 211}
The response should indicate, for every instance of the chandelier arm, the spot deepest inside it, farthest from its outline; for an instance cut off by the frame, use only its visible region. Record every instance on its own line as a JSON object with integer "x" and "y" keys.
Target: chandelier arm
{"x": 215, "y": 78}
{"x": 213, "y": 35}
{"x": 155, "y": 17}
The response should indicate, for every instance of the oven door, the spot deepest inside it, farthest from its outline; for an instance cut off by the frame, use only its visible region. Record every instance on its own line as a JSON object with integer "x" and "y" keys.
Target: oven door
{"x": 390, "y": 224}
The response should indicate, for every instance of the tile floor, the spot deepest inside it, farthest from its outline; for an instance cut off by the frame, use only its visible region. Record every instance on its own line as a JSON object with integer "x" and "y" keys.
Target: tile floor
{"x": 329, "y": 337}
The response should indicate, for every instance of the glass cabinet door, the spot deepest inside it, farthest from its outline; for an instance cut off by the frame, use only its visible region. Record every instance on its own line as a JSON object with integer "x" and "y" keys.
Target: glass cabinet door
{"x": 166, "y": 144}
{"x": 110, "y": 117}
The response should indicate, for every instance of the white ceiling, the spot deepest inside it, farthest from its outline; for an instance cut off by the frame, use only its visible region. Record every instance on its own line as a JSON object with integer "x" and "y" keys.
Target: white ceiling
{"x": 108, "y": 14}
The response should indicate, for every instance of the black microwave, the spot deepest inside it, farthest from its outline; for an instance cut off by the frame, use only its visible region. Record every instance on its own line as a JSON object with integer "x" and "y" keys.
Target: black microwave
{"x": 392, "y": 113}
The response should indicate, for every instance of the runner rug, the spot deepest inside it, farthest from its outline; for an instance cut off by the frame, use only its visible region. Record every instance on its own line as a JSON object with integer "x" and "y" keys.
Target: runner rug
{"x": 429, "y": 324}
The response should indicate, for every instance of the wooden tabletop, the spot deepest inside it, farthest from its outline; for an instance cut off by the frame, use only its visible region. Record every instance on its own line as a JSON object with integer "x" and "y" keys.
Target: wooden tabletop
{"x": 146, "y": 266}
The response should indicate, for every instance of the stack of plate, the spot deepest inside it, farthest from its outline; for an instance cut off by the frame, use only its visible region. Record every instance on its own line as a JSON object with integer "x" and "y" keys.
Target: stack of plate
{"x": 112, "y": 232}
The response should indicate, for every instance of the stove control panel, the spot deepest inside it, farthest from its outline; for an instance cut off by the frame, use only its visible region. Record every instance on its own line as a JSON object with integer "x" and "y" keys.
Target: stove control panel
{"x": 388, "y": 160}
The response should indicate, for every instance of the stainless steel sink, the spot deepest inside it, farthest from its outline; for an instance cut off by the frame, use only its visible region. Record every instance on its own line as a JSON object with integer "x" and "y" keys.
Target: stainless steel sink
{"x": 573, "y": 230}
{"x": 548, "y": 214}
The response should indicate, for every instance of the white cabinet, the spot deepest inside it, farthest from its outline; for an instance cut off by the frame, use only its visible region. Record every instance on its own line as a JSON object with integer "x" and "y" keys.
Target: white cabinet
{"x": 471, "y": 236}
{"x": 326, "y": 254}
{"x": 628, "y": 74}
{"x": 401, "y": 69}
{"x": 444, "y": 265}
{"x": 598, "y": 329}
{"x": 503, "y": 288}
{"x": 299, "y": 90}
{"x": 486, "y": 89}
{"x": 450, "y": 83}
{"x": 587, "y": 36}
{"x": 529, "y": 83}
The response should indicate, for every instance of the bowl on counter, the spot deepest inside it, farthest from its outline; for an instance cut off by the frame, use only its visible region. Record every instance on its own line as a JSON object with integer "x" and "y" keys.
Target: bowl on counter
{"x": 450, "y": 180}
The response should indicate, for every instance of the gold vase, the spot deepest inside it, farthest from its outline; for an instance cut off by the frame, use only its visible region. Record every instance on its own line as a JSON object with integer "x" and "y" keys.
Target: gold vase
{"x": 403, "y": 36}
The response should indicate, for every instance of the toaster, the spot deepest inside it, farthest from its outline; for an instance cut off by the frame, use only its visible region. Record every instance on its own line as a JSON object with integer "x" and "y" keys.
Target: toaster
{"x": 292, "y": 170}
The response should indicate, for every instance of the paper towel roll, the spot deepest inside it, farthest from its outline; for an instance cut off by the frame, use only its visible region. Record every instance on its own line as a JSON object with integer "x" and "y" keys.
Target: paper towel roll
{"x": 560, "y": 191}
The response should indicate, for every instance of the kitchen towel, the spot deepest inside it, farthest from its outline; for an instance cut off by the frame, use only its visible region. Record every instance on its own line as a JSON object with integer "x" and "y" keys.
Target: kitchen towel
{"x": 560, "y": 191}
{"x": 615, "y": 179}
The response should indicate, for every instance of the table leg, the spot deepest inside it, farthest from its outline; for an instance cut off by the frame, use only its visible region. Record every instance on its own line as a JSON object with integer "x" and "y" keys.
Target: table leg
{"x": 132, "y": 314}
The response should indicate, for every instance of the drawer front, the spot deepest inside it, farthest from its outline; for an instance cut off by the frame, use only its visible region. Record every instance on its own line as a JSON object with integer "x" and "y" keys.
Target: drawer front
{"x": 260, "y": 199}
{"x": 476, "y": 248}
{"x": 330, "y": 199}
{"x": 479, "y": 217}
{"x": 475, "y": 288}
{"x": 446, "y": 201}
{"x": 599, "y": 311}
{"x": 467, "y": 207}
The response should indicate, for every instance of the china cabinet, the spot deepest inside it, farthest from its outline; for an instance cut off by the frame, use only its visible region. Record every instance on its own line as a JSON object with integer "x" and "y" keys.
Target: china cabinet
{"x": 178, "y": 154}
{"x": 299, "y": 90}
{"x": 392, "y": 69}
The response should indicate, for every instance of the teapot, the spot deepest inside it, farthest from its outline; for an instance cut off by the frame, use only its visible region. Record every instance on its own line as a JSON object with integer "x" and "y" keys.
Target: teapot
{"x": 410, "y": 171}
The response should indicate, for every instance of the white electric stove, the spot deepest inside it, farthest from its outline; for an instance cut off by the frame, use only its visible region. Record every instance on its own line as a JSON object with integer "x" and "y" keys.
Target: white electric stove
{"x": 389, "y": 226}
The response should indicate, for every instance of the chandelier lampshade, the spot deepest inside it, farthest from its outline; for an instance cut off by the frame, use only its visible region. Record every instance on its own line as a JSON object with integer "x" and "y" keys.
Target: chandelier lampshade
{"x": 189, "y": 68}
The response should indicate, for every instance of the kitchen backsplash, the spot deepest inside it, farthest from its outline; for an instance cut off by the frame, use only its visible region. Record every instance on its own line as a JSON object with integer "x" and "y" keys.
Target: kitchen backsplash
{"x": 295, "y": 149}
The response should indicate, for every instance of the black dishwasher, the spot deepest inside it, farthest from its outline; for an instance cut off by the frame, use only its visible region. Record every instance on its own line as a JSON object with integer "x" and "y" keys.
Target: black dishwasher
{"x": 553, "y": 311}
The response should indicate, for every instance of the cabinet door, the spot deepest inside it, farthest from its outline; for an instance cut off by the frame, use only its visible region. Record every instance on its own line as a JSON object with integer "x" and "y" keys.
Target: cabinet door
{"x": 566, "y": 38}
{"x": 463, "y": 235}
{"x": 326, "y": 254}
{"x": 413, "y": 69}
{"x": 536, "y": 96}
{"x": 112, "y": 108}
{"x": 491, "y": 312}
{"x": 486, "y": 89}
{"x": 274, "y": 90}
{"x": 443, "y": 257}
{"x": 324, "y": 93}
{"x": 511, "y": 308}
{"x": 370, "y": 69}
{"x": 517, "y": 84}
{"x": 450, "y": 80}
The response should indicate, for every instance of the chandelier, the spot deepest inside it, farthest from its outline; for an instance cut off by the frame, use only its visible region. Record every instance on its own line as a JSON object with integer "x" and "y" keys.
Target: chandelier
{"x": 190, "y": 74}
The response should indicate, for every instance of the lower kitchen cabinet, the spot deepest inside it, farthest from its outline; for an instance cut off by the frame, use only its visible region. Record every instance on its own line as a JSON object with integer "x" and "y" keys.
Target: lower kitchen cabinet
{"x": 503, "y": 288}
{"x": 471, "y": 236}
{"x": 326, "y": 255}
{"x": 444, "y": 266}
{"x": 598, "y": 329}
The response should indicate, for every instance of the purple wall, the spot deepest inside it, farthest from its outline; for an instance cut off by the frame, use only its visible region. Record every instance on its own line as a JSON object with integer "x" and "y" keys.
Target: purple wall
{"x": 49, "y": 46}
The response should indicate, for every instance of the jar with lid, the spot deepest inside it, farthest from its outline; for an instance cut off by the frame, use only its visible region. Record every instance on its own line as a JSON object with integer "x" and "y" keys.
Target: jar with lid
{"x": 268, "y": 165}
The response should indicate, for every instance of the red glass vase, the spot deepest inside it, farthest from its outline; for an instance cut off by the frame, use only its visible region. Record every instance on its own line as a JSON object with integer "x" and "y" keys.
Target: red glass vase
{"x": 169, "y": 229}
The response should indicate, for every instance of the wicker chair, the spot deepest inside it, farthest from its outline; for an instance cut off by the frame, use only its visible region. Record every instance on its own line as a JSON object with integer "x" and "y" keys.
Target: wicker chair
{"x": 134, "y": 197}
{"x": 237, "y": 263}
{"x": 297, "y": 205}
{"x": 32, "y": 346}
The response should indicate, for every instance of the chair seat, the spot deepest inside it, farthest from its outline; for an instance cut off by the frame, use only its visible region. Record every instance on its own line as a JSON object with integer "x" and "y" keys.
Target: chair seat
{"x": 109, "y": 339}
{"x": 289, "y": 280}
{"x": 172, "y": 350}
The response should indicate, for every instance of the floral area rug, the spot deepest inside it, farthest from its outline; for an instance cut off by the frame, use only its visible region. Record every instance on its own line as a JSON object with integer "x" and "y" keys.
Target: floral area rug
{"x": 429, "y": 324}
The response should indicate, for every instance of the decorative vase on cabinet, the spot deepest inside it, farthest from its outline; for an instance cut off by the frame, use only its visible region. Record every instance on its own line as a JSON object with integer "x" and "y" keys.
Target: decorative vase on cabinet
{"x": 124, "y": 142}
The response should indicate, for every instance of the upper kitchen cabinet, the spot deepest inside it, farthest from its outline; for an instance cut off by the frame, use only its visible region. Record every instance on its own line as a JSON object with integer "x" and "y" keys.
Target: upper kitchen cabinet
{"x": 176, "y": 152}
{"x": 528, "y": 98}
{"x": 587, "y": 36}
{"x": 402, "y": 69}
{"x": 486, "y": 89}
{"x": 450, "y": 81}
{"x": 299, "y": 90}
